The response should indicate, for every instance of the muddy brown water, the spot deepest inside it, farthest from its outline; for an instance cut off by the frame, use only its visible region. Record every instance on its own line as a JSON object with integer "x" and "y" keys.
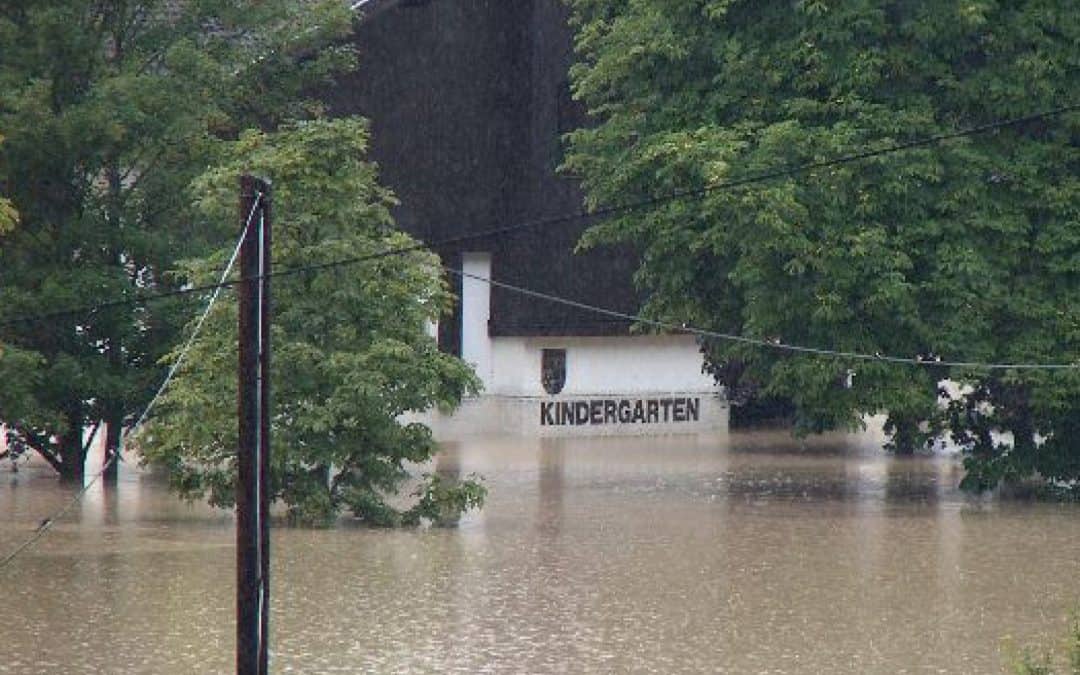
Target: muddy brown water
{"x": 740, "y": 553}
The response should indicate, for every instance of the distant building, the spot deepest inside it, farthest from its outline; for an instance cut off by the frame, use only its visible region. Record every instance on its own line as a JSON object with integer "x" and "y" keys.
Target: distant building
{"x": 468, "y": 100}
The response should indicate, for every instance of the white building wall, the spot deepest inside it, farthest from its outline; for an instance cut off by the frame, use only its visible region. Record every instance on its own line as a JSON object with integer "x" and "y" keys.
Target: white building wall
{"x": 630, "y": 372}
{"x": 626, "y": 365}
{"x": 523, "y": 416}
{"x": 476, "y": 346}
{"x": 631, "y": 368}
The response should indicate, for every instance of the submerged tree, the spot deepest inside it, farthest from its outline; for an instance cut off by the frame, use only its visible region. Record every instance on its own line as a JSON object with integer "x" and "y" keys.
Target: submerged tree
{"x": 17, "y": 368}
{"x": 968, "y": 249}
{"x": 350, "y": 352}
{"x": 8, "y": 215}
{"x": 111, "y": 108}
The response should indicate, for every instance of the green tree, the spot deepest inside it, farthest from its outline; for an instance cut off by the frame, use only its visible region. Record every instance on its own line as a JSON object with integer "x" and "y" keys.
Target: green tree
{"x": 8, "y": 215}
{"x": 350, "y": 351}
{"x": 16, "y": 371}
{"x": 111, "y": 109}
{"x": 966, "y": 250}
{"x": 1031, "y": 660}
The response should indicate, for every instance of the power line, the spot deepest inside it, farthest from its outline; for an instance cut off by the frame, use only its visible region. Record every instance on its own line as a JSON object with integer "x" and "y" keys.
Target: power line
{"x": 547, "y": 222}
{"x": 698, "y": 193}
{"x": 47, "y": 523}
{"x": 756, "y": 342}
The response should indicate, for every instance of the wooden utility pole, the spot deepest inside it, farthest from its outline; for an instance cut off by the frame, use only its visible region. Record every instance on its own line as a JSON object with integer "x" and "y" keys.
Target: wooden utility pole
{"x": 253, "y": 461}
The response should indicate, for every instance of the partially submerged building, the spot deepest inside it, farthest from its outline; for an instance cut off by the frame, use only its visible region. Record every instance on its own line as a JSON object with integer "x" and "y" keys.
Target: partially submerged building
{"x": 468, "y": 100}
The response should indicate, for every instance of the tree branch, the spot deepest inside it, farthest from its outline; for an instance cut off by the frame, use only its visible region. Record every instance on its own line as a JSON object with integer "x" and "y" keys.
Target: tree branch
{"x": 52, "y": 459}
{"x": 40, "y": 444}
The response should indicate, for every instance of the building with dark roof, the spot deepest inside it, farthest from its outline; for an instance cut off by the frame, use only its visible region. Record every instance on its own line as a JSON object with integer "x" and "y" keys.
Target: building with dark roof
{"x": 468, "y": 100}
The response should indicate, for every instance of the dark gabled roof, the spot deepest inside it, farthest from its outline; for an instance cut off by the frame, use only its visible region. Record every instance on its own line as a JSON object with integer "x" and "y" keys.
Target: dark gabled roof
{"x": 467, "y": 99}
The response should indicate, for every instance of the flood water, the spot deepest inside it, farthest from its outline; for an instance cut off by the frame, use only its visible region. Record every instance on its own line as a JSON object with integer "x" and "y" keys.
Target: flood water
{"x": 740, "y": 553}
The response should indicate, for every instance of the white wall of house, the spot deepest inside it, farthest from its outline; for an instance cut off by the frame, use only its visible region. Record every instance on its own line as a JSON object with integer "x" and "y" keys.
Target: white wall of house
{"x": 525, "y": 416}
{"x": 476, "y": 345}
{"x": 627, "y": 364}
{"x": 624, "y": 365}
{"x": 600, "y": 371}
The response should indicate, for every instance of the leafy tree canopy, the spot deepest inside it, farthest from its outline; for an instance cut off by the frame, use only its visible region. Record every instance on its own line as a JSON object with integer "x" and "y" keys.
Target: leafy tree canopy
{"x": 966, "y": 250}
{"x": 8, "y": 215}
{"x": 111, "y": 108}
{"x": 12, "y": 365}
{"x": 350, "y": 351}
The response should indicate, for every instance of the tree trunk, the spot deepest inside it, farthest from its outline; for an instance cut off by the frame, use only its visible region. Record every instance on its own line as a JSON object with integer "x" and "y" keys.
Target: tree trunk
{"x": 111, "y": 471}
{"x": 1024, "y": 446}
{"x": 72, "y": 451}
{"x": 905, "y": 437}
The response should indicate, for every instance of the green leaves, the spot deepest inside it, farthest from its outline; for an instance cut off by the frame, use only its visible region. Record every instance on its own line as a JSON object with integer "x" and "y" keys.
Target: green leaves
{"x": 8, "y": 216}
{"x": 963, "y": 250}
{"x": 111, "y": 109}
{"x": 351, "y": 355}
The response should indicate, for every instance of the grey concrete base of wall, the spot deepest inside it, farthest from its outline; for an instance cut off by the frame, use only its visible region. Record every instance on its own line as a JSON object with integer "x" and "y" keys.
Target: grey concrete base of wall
{"x": 582, "y": 415}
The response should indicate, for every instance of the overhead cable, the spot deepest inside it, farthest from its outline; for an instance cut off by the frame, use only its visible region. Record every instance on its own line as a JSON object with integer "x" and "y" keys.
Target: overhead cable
{"x": 757, "y": 342}
{"x": 47, "y": 523}
{"x": 697, "y": 193}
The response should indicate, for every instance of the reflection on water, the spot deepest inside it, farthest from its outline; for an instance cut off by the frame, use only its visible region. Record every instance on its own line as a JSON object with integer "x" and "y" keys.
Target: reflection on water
{"x": 746, "y": 553}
